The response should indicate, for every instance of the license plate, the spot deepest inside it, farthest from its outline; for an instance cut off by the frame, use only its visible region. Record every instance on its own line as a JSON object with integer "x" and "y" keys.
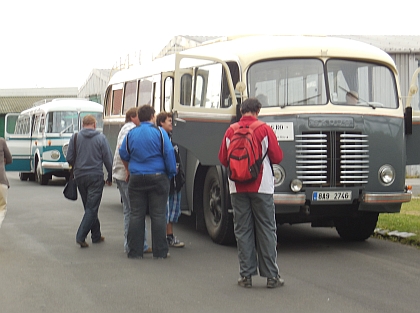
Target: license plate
{"x": 331, "y": 196}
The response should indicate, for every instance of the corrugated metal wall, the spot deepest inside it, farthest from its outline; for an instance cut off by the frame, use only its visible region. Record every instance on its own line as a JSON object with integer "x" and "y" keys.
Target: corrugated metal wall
{"x": 406, "y": 65}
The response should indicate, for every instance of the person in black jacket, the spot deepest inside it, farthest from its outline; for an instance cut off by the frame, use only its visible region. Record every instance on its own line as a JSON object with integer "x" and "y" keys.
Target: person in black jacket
{"x": 173, "y": 207}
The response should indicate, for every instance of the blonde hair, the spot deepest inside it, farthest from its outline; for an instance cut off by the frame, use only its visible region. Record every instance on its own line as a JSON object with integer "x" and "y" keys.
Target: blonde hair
{"x": 89, "y": 120}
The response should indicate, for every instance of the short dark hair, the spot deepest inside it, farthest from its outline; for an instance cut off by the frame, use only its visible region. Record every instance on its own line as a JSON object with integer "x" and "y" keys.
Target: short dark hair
{"x": 145, "y": 113}
{"x": 131, "y": 113}
{"x": 250, "y": 105}
{"x": 162, "y": 117}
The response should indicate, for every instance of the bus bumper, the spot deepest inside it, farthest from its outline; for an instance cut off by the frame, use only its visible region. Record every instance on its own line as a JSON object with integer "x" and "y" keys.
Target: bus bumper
{"x": 368, "y": 198}
{"x": 56, "y": 165}
{"x": 289, "y": 198}
{"x": 380, "y": 198}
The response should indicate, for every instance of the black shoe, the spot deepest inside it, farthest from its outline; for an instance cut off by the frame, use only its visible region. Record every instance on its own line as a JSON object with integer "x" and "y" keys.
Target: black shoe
{"x": 83, "y": 244}
{"x": 130, "y": 256}
{"x": 275, "y": 282}
{"x": 245, "y": 282}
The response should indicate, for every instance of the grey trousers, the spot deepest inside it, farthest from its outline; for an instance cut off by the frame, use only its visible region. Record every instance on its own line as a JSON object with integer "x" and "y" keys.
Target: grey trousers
{"x": 255, "y": 231}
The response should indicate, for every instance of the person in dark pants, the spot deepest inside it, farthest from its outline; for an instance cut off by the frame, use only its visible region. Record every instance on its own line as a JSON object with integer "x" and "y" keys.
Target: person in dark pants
{"x": 92, "y": 152}
{"x": 149, "y": 157}
{"x": 253, "y": 204}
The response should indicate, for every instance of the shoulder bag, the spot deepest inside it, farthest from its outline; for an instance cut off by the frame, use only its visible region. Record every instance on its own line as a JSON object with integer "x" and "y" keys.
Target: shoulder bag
{"x": 70, "y": 189}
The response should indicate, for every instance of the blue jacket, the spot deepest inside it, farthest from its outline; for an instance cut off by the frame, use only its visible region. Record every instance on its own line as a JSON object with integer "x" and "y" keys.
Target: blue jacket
{"x": 142, "y": 149}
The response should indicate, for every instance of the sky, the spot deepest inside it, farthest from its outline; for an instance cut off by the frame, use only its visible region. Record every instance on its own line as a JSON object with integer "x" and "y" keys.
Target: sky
{"x": 56, "y": 43}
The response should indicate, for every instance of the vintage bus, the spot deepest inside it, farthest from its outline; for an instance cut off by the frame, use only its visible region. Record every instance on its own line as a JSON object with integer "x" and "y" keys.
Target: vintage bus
{"x": 38, "y": 137}
{"x": 334, "y": 104}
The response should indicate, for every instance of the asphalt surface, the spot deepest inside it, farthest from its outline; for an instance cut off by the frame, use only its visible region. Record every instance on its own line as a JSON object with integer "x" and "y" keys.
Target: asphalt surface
{"x": 43, "y": 270}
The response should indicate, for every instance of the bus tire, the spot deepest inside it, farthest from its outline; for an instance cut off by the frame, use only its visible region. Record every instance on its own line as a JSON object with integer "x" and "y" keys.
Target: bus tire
{"x": 40, "y": 178}
{"x": 218, "y": 220}
{"x": 23, "y": 176}
{"x": 357, "y": 228}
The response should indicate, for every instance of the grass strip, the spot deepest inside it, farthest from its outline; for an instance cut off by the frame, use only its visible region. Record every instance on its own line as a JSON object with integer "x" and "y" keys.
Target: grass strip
{"x": 408, "y": 220}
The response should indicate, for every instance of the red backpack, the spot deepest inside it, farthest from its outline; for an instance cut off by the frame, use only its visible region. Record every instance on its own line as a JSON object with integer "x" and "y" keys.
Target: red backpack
{"x": 244, "y": 153}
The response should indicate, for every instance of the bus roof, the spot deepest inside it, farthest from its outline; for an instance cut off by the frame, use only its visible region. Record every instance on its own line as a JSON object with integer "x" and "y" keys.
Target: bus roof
{"x": 61, "y": 104}
{"x": 248, "y": 49}
{"x": 251, "y": 48}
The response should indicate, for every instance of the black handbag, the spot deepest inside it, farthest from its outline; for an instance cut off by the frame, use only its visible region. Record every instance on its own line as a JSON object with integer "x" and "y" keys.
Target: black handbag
{"x": 70, "y": 189}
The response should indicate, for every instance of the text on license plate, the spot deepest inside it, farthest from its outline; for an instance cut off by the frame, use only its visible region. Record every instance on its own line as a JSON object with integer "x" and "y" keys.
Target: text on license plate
{"x": 331, "y": 196}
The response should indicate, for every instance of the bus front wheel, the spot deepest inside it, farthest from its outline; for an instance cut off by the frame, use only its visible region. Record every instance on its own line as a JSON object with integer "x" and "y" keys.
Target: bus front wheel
{"x": 219, "y": 222}
{"x": 42, "y": 179}
{"x": 357, "y": 228}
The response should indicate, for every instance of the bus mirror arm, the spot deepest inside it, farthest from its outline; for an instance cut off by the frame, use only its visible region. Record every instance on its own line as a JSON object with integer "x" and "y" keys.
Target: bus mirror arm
{"x": 177, "y": 119}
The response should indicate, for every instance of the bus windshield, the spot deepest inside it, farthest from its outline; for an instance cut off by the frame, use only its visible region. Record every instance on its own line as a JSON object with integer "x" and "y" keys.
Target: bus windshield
{"x": 361, "y": 83}
{"x": 295, "y": 82}
{"x": 68, "y": 121}
{"x": 280, "y": 83}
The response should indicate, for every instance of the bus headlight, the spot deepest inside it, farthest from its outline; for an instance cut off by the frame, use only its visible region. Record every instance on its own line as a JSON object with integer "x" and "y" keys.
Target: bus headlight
{"x": 386, "y": 174}
{"x": 55, "y": 155}
{"x": 279, "y": 175}
{"x": 296, "y": 185}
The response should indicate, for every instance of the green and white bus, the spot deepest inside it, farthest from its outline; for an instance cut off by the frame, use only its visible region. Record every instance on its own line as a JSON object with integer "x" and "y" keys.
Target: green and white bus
{"x": 334, "y": 104}
{"x": 38, "y": 137}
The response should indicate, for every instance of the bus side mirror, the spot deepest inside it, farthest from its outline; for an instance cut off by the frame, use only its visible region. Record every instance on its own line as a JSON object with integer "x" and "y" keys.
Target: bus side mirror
{"x": 408, "y": 120}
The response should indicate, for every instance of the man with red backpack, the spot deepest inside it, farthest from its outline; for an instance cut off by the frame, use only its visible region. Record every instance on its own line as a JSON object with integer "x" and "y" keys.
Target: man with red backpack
{"x": 248, "y": 149}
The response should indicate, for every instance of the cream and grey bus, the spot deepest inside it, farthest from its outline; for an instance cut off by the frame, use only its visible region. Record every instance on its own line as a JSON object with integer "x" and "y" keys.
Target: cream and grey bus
{"x": 334, "y": 104}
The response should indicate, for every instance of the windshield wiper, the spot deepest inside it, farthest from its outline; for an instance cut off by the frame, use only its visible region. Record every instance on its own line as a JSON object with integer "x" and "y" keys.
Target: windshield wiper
{"x": 65, "y": 129}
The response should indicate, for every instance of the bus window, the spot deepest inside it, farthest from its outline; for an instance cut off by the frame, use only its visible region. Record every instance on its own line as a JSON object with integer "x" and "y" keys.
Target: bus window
{"x": 208, "y": 86}
{"x": 62, "y": 121}
{"x": 23, "y": 125}
{"x": 186, "y": 87}
{"x": 97, "y": 116}
{"x": 108, "y": 102}
{"x": 145, "y": 92}
{"x": 35, "y": 125}
{"x": 130, "y": 95}
{"x": 156, "y": 96}
{"x": 116, "y": 101}
{"x": 288, "y": 82}
{"x": 373, "y": 83}
{"x": 42, "y": 124}
{"x": 168, "y": 89}
{"x": 234, "y": 72}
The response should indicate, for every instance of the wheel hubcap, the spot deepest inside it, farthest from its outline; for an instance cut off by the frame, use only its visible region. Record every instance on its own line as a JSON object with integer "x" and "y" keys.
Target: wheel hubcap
{"x": 215, "y": 201}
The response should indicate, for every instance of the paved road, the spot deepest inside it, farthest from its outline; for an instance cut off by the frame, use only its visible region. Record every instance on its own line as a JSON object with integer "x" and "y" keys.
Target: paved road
{"x": 43, "y": 270}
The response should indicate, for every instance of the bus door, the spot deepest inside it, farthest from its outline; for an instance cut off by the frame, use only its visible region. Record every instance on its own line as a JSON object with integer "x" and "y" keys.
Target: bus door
{"x": 201, "y": 111}
{"x": 18, "y": 138}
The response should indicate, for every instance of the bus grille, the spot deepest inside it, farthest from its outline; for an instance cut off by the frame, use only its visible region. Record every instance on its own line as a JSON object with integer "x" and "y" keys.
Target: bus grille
{"x": 332, "y": 159}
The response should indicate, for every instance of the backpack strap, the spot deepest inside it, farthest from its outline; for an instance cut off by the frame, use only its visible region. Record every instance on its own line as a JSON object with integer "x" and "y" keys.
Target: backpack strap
{"x": 254, "y": 126}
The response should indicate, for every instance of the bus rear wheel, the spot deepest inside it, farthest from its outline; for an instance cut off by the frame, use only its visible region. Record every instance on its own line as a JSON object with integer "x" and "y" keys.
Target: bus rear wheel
{"x": 357, "y": 228}
{"x": 24, "y": 176}
{"x": 219, "y": 222}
